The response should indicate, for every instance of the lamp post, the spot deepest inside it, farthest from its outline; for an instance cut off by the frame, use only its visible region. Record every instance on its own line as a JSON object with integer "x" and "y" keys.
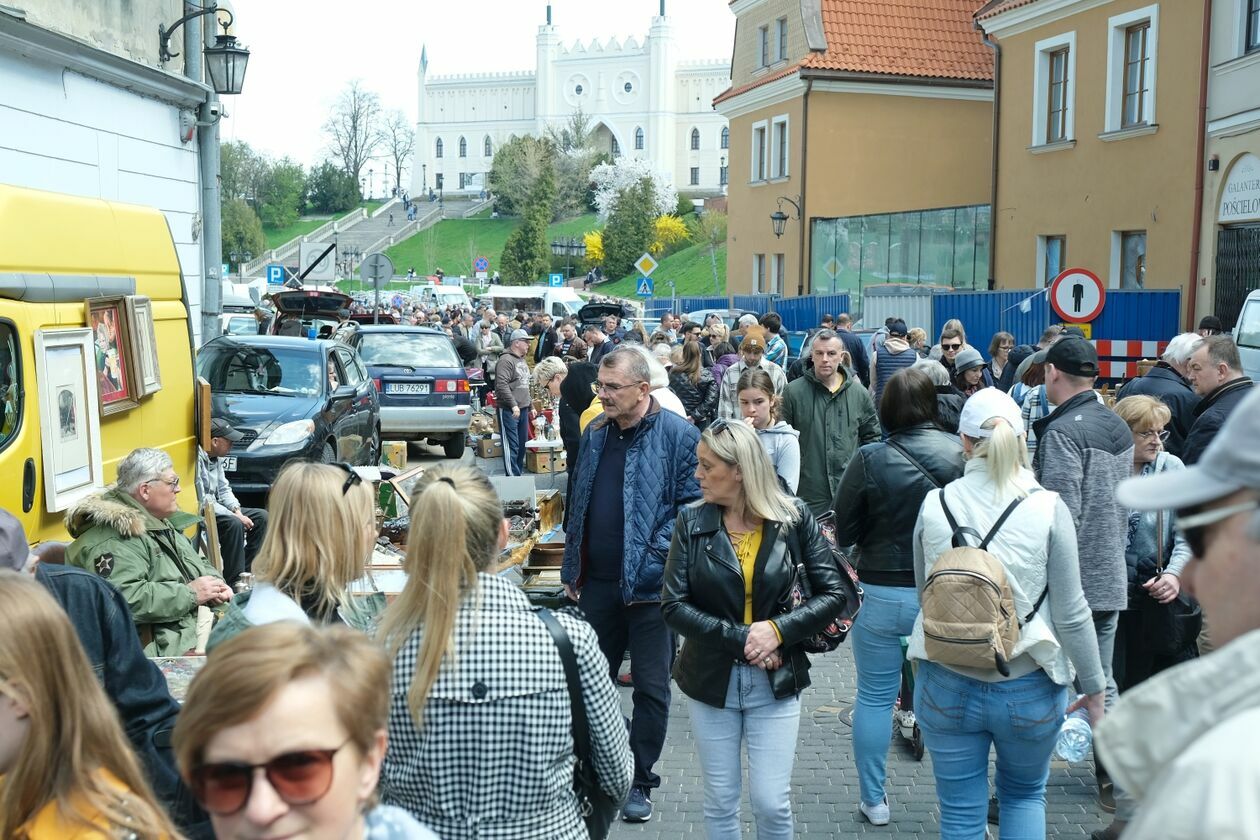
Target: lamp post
{"x": 778, "y": 219}
{"x": 569, "y": 247}
{"x": 371, "y": 183}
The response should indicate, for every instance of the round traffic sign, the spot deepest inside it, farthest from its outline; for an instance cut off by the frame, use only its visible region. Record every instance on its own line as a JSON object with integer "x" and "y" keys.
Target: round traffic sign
{"x": 376, "y": 269}
{"x": 481, "y": 264}
{"x": 1077, "y": 295}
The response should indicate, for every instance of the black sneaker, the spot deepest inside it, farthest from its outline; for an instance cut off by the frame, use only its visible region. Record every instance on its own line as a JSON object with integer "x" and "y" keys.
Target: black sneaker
{"x": 638, "y": 807}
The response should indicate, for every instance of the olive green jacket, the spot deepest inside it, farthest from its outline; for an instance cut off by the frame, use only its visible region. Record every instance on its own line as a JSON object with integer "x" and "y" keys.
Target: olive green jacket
{"x": 149, "y": 560}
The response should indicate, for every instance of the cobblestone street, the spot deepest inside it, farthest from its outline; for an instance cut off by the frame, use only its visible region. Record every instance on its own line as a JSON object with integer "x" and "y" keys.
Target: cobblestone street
{"x": 824, "y": 782}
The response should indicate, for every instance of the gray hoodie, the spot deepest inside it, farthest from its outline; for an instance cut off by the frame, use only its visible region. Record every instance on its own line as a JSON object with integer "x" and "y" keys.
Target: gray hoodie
{"x": 780, "y": 441}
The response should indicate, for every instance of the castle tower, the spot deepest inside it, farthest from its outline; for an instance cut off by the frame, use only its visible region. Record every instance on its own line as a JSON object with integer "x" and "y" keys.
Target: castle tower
{"x": 548, "y": 47}
{"x": 663, "y": 62}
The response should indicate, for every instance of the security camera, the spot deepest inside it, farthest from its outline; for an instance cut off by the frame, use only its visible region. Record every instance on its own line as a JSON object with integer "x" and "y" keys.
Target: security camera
{"x": 214, "y": 109}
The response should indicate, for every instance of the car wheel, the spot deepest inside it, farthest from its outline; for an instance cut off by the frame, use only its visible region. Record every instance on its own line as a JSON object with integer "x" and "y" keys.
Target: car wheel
{"x": 453, "y": 446}
{"x": 328, "y": 455}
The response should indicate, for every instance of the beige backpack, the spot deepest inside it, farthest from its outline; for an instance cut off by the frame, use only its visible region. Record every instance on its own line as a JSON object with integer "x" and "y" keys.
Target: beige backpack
{"x": 969, "y": 617}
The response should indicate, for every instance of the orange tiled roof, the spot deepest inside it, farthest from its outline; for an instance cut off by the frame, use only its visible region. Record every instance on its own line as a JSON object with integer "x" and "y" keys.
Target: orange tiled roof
{"x": 927, "y": 38}
{"x": 756, "y": 83}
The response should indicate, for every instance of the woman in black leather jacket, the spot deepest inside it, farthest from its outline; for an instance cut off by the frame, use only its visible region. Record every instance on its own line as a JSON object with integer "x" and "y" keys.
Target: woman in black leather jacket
{"x": 728, "y": 592}
{"x": 876, "y": 507}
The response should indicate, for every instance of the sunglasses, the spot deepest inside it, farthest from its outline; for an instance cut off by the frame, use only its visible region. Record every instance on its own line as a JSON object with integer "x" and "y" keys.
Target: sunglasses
{"x": 951, "y": 346}
{"x": 1194, "y": 526}
{"x": 299, "y": 778}
{"x": 352, "y": 477}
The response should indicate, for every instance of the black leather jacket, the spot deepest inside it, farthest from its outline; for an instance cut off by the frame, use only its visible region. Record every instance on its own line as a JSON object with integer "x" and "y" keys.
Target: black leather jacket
{"x": 879, "y": 499}
{"x": 703, "y": 599}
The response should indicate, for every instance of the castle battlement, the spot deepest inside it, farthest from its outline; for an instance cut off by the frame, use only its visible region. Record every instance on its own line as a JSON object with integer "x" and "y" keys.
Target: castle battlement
{"x": 508, "y": 76}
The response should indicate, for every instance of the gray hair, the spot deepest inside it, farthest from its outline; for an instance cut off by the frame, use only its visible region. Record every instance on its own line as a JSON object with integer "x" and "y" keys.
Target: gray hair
{"x": 633, "y": 360}
{"x": 1181, "y": 348}
{"x": 140, "y": 466}
{"x": 663, "y": 352}
{"x": 658, "y": 376}
{"x": 934, "y": 371}
{"x": 747, "y": 320}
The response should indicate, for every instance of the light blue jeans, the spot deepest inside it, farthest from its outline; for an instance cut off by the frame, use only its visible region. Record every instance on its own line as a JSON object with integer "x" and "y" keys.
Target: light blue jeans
{"x": 769, "y": 727}
{"x": 961, "y": 719}
{"x": 888, "y": 613}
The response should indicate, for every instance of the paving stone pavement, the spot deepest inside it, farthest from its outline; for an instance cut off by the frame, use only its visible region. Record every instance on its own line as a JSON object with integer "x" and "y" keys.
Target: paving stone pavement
{"x": 824, "y": 779}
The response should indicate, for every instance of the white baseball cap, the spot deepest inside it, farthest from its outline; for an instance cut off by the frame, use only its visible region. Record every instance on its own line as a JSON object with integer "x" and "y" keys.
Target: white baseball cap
{"x": 983, "y": 406}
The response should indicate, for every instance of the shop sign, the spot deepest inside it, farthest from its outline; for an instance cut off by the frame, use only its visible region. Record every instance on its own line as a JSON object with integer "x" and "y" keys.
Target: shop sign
{"x": 1240, "y": 200}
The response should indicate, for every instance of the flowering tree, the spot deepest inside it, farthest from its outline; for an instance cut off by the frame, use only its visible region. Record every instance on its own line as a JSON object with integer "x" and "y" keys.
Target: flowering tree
{"x": 613, "y": 179}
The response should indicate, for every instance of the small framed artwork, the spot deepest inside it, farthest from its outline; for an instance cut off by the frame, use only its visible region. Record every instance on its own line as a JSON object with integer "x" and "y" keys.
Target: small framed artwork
{"x": 65, "y": 370}
{"x": 144, "y": 345}
{"x": 116, "y": 379}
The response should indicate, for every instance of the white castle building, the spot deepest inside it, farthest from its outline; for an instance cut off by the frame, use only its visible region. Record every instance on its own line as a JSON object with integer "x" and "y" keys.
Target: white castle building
{"x": 641, "y": 101}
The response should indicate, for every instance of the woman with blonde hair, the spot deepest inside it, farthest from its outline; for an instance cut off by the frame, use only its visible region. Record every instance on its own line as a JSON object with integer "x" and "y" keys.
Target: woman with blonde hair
{"x": 478, "y": 681}
{"x": 729, "y": 578}
{"x": 308, "y": 707}
{"x": 67, "y": 771}
{"x": 549, "y": 375}
{"x": 322, "y": 528}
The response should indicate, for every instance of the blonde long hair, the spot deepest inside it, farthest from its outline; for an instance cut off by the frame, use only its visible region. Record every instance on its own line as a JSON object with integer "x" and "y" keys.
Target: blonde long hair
{"x": 74, "y": 737}
{"x": 456, "y": 518}
{"x": 318, "y": 538}
{"x": 1006, "y": 453}
{"x": 736, "y": 444}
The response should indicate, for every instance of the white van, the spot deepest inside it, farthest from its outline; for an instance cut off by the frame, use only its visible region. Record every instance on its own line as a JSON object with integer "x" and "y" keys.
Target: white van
{"x": 446, "y": 294}
{"x": 1247, "y": 335}
{"x": 557, "y": 301}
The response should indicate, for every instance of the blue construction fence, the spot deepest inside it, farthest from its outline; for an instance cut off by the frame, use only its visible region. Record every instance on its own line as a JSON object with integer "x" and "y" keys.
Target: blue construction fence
{"x": 798, "y": 313}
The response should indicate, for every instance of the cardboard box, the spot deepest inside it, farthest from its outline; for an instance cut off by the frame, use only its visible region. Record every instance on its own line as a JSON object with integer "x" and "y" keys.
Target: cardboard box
{"x": 394, "y": 454}
{"x": 490, "y": 447}
{"x": 545, "y": 460}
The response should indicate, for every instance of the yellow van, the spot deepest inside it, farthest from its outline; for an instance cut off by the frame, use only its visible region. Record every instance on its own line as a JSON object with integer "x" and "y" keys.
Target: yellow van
{"x": 69, "y": 410}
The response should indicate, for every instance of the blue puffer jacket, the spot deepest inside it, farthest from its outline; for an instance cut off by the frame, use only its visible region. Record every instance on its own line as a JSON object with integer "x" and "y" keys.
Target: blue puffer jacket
{"x": 660, "y": 478}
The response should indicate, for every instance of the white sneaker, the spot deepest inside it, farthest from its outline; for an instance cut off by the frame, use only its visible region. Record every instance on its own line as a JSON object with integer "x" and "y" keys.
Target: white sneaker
{"x": 876, "y": 814}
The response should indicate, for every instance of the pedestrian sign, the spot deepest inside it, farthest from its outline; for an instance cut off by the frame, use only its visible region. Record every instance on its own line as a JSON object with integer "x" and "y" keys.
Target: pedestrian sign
{"x": 481, "y": 264}
{"x": 555, "y": 279}
{"x": 646, "y": 265}
{"x": 1077, "y": 295}
{"x": 646, "y": 287}
{"x": 275, "y": 274}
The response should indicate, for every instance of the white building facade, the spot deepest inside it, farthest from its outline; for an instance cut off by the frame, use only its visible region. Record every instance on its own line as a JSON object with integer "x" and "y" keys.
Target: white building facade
{"x": 640, "y": 99}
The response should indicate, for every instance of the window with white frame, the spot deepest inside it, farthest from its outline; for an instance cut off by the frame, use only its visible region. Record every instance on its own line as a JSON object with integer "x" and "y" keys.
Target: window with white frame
{"x": 724, "y": 141}
{"x": 759, "y": 151}
{"x": 695, "y": 176}
{"x": 722, "y": 176}
{"x": 759, "y": 274}
{"x": 638, "y": 139}
{"x": 463, "y": 147}
{"x": 695, "y": 139}
{"x": 779, "y": 147}
{"x": 763, "y": 46}
{"x": 437, "y": 148}
{"x": 1054, "y": 90}
{"x": 1132, "y": 60}
{"x": 780, "y": 28}
{"x": 778, "y": 266}
{"x": 1251, "y": 26}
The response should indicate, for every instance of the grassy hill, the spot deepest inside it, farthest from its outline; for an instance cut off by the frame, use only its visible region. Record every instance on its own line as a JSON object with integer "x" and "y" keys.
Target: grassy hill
{"x": 691, "y": 269}
{"x": 278, "y": 236}
{"x": 453, "y": 244}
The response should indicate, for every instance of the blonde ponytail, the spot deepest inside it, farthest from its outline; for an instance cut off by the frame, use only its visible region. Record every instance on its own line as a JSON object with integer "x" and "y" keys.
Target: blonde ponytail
{"x": 1007, "y": 455}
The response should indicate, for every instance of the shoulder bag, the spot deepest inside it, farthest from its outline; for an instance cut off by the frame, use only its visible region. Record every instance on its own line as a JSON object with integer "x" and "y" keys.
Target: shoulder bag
{"x": 1170, "y": 628}
{"x": 837, "y": 630}
{"x": 597, "y": 807}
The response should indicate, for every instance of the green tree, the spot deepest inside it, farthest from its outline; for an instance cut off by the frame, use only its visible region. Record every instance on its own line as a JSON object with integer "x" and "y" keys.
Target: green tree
{"x": 527, "y": 254}
{"x": 241, "y": 171}
{"x": 282, "y": 196}
{"x": 241, "y": 229}
{"x": 515, "y": 170}
{"x": 630, "y": 229}
{"x": 330, "y": 190}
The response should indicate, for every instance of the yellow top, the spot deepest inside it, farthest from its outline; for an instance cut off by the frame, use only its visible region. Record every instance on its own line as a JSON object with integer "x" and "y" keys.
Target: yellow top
{"x": 595, "y": 409}
{"x": 49, "y": 824}
{"x": 747, "y": 544}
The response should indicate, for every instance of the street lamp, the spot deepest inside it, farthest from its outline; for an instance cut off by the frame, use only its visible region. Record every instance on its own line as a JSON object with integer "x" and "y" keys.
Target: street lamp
{"x": 569, "y": 247}
{"x": 240, "y": 258}
{"x": 371, "y": 183}
{"x": 778, "y": 219}
{"x": 225, "y": 61}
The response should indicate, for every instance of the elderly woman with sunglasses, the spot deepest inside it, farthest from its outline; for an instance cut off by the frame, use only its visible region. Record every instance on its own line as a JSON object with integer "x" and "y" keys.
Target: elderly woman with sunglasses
{"x": 735, "y": 558}
{"x": 283, "y": 733}
{"x": 323, "y": 529}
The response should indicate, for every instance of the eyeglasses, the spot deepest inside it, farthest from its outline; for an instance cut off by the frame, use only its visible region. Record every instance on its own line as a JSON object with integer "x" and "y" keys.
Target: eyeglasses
{"x": 1194, "y": 527}
{"x": 610, "y": 387}
{"x": 1151, "y": 434}
{"x": 299, "y": 778}
{"x": 352, "y": 477}
{"x": 172, "y": 483}
{"x": 951, "y": 346}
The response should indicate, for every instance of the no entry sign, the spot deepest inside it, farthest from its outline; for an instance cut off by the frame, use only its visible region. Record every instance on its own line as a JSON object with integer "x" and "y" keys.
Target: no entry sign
{"x": 1077, "y": 295}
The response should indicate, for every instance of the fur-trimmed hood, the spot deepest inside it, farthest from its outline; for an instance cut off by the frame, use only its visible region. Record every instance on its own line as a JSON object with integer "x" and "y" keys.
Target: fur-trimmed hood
{"x": 113, "y": 509}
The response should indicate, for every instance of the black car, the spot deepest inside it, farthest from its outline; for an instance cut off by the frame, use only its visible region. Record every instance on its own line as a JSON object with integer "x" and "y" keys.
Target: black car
{"x": 292, "y": 398}
{"x": 423, "y": 385}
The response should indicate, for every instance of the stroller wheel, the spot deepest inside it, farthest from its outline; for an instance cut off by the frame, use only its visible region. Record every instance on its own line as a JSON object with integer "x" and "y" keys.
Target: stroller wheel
{"x": 916, "y": 743}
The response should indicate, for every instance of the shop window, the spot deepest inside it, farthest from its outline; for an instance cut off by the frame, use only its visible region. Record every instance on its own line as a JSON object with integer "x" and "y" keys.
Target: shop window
{"x": 10, "y": 384}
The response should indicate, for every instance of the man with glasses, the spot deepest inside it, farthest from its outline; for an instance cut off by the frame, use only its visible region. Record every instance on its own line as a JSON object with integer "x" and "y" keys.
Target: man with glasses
{"x": 133, "y": 536}
{"x": 1185, "y": 740}
{"x": 1167, "y": 382}
{"x": 1215, "y": 371}
{"x": 636, "y": 469}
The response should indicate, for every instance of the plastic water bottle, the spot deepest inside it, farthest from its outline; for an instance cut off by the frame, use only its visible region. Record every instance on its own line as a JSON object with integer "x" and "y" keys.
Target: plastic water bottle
{"x": 1075, "y": 736}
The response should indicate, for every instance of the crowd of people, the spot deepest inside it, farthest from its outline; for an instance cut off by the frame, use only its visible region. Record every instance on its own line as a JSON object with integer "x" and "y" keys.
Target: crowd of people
{"x": 1032, "y": 544}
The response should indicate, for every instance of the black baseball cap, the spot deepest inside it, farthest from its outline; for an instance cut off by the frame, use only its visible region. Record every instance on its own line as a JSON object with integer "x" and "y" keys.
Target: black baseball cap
{"x": 221, "y": 428}
{"x": 897, "y": 327}
{"x": 1072, "y": 355}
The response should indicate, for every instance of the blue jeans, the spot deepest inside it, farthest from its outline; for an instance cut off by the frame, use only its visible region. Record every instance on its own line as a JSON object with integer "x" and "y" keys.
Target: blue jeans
{"x": 514, "y": 432}
{"x": 769, "y": 727}
{"x": 888, "y": 613}
{"x": 961, "y": 719}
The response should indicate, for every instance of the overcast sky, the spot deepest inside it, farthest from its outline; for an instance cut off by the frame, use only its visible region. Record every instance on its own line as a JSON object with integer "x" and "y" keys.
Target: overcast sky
{"x": 303, "y": 54}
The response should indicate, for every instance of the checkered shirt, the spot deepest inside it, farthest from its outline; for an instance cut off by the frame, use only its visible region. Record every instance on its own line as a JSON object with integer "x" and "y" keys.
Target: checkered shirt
{"x": 494, "y": 759}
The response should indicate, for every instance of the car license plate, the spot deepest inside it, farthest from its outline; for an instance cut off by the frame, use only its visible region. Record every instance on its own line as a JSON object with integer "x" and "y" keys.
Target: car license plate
{"x": 406, "y": 387}
{"x": 229, "y": 463}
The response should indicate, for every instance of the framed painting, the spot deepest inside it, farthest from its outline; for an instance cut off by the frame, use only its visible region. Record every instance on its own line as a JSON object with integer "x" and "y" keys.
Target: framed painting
{"x": 116, "y": 380}
{"x": 65, "y": 371}
{"x": 144, "y": 345}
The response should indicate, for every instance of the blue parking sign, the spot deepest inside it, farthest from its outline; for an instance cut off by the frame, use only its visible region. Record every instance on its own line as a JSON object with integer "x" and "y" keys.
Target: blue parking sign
{"x": 275, "y": 274}
{"x": 555, "y": 279}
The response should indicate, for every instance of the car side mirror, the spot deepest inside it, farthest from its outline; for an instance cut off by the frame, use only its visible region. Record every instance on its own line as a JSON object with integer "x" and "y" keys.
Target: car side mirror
{"x": 343, "y": 392}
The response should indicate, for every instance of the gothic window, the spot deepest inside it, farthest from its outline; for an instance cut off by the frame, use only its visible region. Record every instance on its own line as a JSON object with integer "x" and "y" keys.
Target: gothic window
{"x": 489, "y": 147}
{"x": 616, "y": 148}
{"x": 695, "y": 139}
{"x": 638, "y": 139}
{"x": 437, "y": 148}
{"x": 463, "y": 147}
{"x": 726, "y": 137}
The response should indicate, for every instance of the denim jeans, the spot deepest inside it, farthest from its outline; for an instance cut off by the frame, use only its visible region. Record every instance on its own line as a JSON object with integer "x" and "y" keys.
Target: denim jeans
{"x": 888, "y": 613}
{"x": 769, "y": 727}
{"x": 961, "y": 719}
{"x": 514, "y": 433}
